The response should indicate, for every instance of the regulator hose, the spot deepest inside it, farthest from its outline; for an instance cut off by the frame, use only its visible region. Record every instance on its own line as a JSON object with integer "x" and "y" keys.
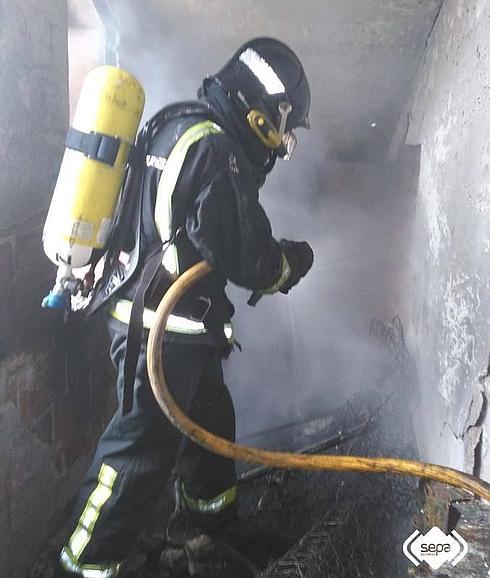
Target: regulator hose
{"x": 275, "y": 459}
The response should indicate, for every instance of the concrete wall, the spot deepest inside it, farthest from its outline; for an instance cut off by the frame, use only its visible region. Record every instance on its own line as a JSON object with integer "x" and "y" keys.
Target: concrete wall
{"x": 450, "y": 261}
{"x": 53, "y": 381}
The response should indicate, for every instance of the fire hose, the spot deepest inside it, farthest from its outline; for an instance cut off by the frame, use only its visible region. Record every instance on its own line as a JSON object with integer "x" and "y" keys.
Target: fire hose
{"x": 276, "y": 459}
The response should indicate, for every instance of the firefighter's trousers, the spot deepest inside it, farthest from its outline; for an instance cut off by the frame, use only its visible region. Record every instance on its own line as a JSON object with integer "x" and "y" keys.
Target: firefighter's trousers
{"x": 137, "y": 452}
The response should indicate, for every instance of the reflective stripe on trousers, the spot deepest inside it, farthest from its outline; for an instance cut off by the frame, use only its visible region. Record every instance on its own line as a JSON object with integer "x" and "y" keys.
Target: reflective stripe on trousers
{"x": 121, "y": 310}
{"x": 70, "y": 555}
{"x": 89, "y": 570}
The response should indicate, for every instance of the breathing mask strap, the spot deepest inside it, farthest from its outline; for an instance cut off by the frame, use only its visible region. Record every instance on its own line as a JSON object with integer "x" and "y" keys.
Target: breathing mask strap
{"x": 265, "y": 129}
{"x": 259, "y": 122}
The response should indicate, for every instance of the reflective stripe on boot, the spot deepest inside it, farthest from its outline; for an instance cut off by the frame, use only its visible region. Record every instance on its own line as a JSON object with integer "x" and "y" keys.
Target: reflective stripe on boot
{"x": 89, "y": 570}
{"x": 213, "y": 505}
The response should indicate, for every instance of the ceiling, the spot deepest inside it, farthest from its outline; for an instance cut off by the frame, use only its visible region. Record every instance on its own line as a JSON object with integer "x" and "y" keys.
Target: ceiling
{"x": 360, "y": 56}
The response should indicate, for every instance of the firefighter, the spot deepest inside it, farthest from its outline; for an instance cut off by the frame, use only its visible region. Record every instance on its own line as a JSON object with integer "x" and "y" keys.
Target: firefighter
{"x": 203, "y": 166}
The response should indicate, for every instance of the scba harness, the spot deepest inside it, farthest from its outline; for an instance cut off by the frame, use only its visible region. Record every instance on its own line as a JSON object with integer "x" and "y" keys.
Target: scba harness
{"x": 163, "y": 258}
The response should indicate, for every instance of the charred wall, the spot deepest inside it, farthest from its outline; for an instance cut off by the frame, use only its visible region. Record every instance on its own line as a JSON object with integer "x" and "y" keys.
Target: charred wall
{"x": 449, "y": 115}
{"x": 52, "y": 383}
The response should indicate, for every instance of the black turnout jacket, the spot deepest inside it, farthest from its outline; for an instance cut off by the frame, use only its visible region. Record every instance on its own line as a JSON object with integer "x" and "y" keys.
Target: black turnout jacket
{"x": 216, "y": 216}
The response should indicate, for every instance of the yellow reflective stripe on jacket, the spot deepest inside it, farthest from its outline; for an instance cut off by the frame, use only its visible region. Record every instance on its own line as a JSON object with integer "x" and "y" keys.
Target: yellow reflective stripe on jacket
{"x": 168, "y": 181}
{"x": 211, "y": 505}
{"x": 121, "y": 310}
{"x": 285, "y": 272}
{"x": 89, "y": 570}
{"x": 83, "y": 532}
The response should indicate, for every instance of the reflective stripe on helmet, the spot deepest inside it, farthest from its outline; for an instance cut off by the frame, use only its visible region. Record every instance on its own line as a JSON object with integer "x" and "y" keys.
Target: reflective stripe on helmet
{"x": 211, "y": 505}
{"x": 168, "y": 181}
{"x": 263, "y": 71}
{"x": 121, "y": 310}
{"x": 80, "y": 538}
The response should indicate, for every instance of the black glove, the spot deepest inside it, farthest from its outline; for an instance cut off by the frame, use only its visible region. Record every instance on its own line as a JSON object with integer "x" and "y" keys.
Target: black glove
{"x": 300, "y": 258}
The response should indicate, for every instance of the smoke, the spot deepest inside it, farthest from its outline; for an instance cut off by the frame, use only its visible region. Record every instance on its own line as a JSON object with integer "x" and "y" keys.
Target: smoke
{"x": 303, "y": 354}
{"x": 169, "y": 54}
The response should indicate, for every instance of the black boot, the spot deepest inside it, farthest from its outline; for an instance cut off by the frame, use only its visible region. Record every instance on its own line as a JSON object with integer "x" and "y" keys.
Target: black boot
{"x": 59, "y": 572}
{"x": 185, "y": 523}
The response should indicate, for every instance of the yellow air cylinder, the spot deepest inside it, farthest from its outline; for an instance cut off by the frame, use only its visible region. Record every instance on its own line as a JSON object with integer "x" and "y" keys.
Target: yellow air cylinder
{"x": 104, "y": 128}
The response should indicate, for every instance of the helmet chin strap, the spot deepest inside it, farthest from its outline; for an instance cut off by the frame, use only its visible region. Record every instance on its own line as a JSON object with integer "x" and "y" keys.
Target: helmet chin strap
{"x": 289, "y": 142}
{"x": 288, "y": 139}
{"x": 284, "y": 109}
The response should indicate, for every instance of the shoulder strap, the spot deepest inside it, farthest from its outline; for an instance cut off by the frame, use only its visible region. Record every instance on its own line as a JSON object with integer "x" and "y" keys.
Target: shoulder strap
{"x": 163, "y": 219}
{"x": 130, "y": 212}
{"x": 168, "y": 182}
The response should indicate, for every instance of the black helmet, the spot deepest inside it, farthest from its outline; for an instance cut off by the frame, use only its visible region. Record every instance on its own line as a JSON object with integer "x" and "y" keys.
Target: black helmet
{"x": 266, "y": 83}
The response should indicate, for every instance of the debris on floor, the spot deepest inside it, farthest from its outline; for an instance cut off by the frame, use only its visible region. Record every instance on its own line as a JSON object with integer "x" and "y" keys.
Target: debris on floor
{"x": 319, "y": 524}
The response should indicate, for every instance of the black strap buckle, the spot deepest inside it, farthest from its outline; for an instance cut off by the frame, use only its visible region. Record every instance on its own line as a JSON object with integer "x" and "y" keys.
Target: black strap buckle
{"x": 200, "y": 309}
{"x": 94, "y": 145}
